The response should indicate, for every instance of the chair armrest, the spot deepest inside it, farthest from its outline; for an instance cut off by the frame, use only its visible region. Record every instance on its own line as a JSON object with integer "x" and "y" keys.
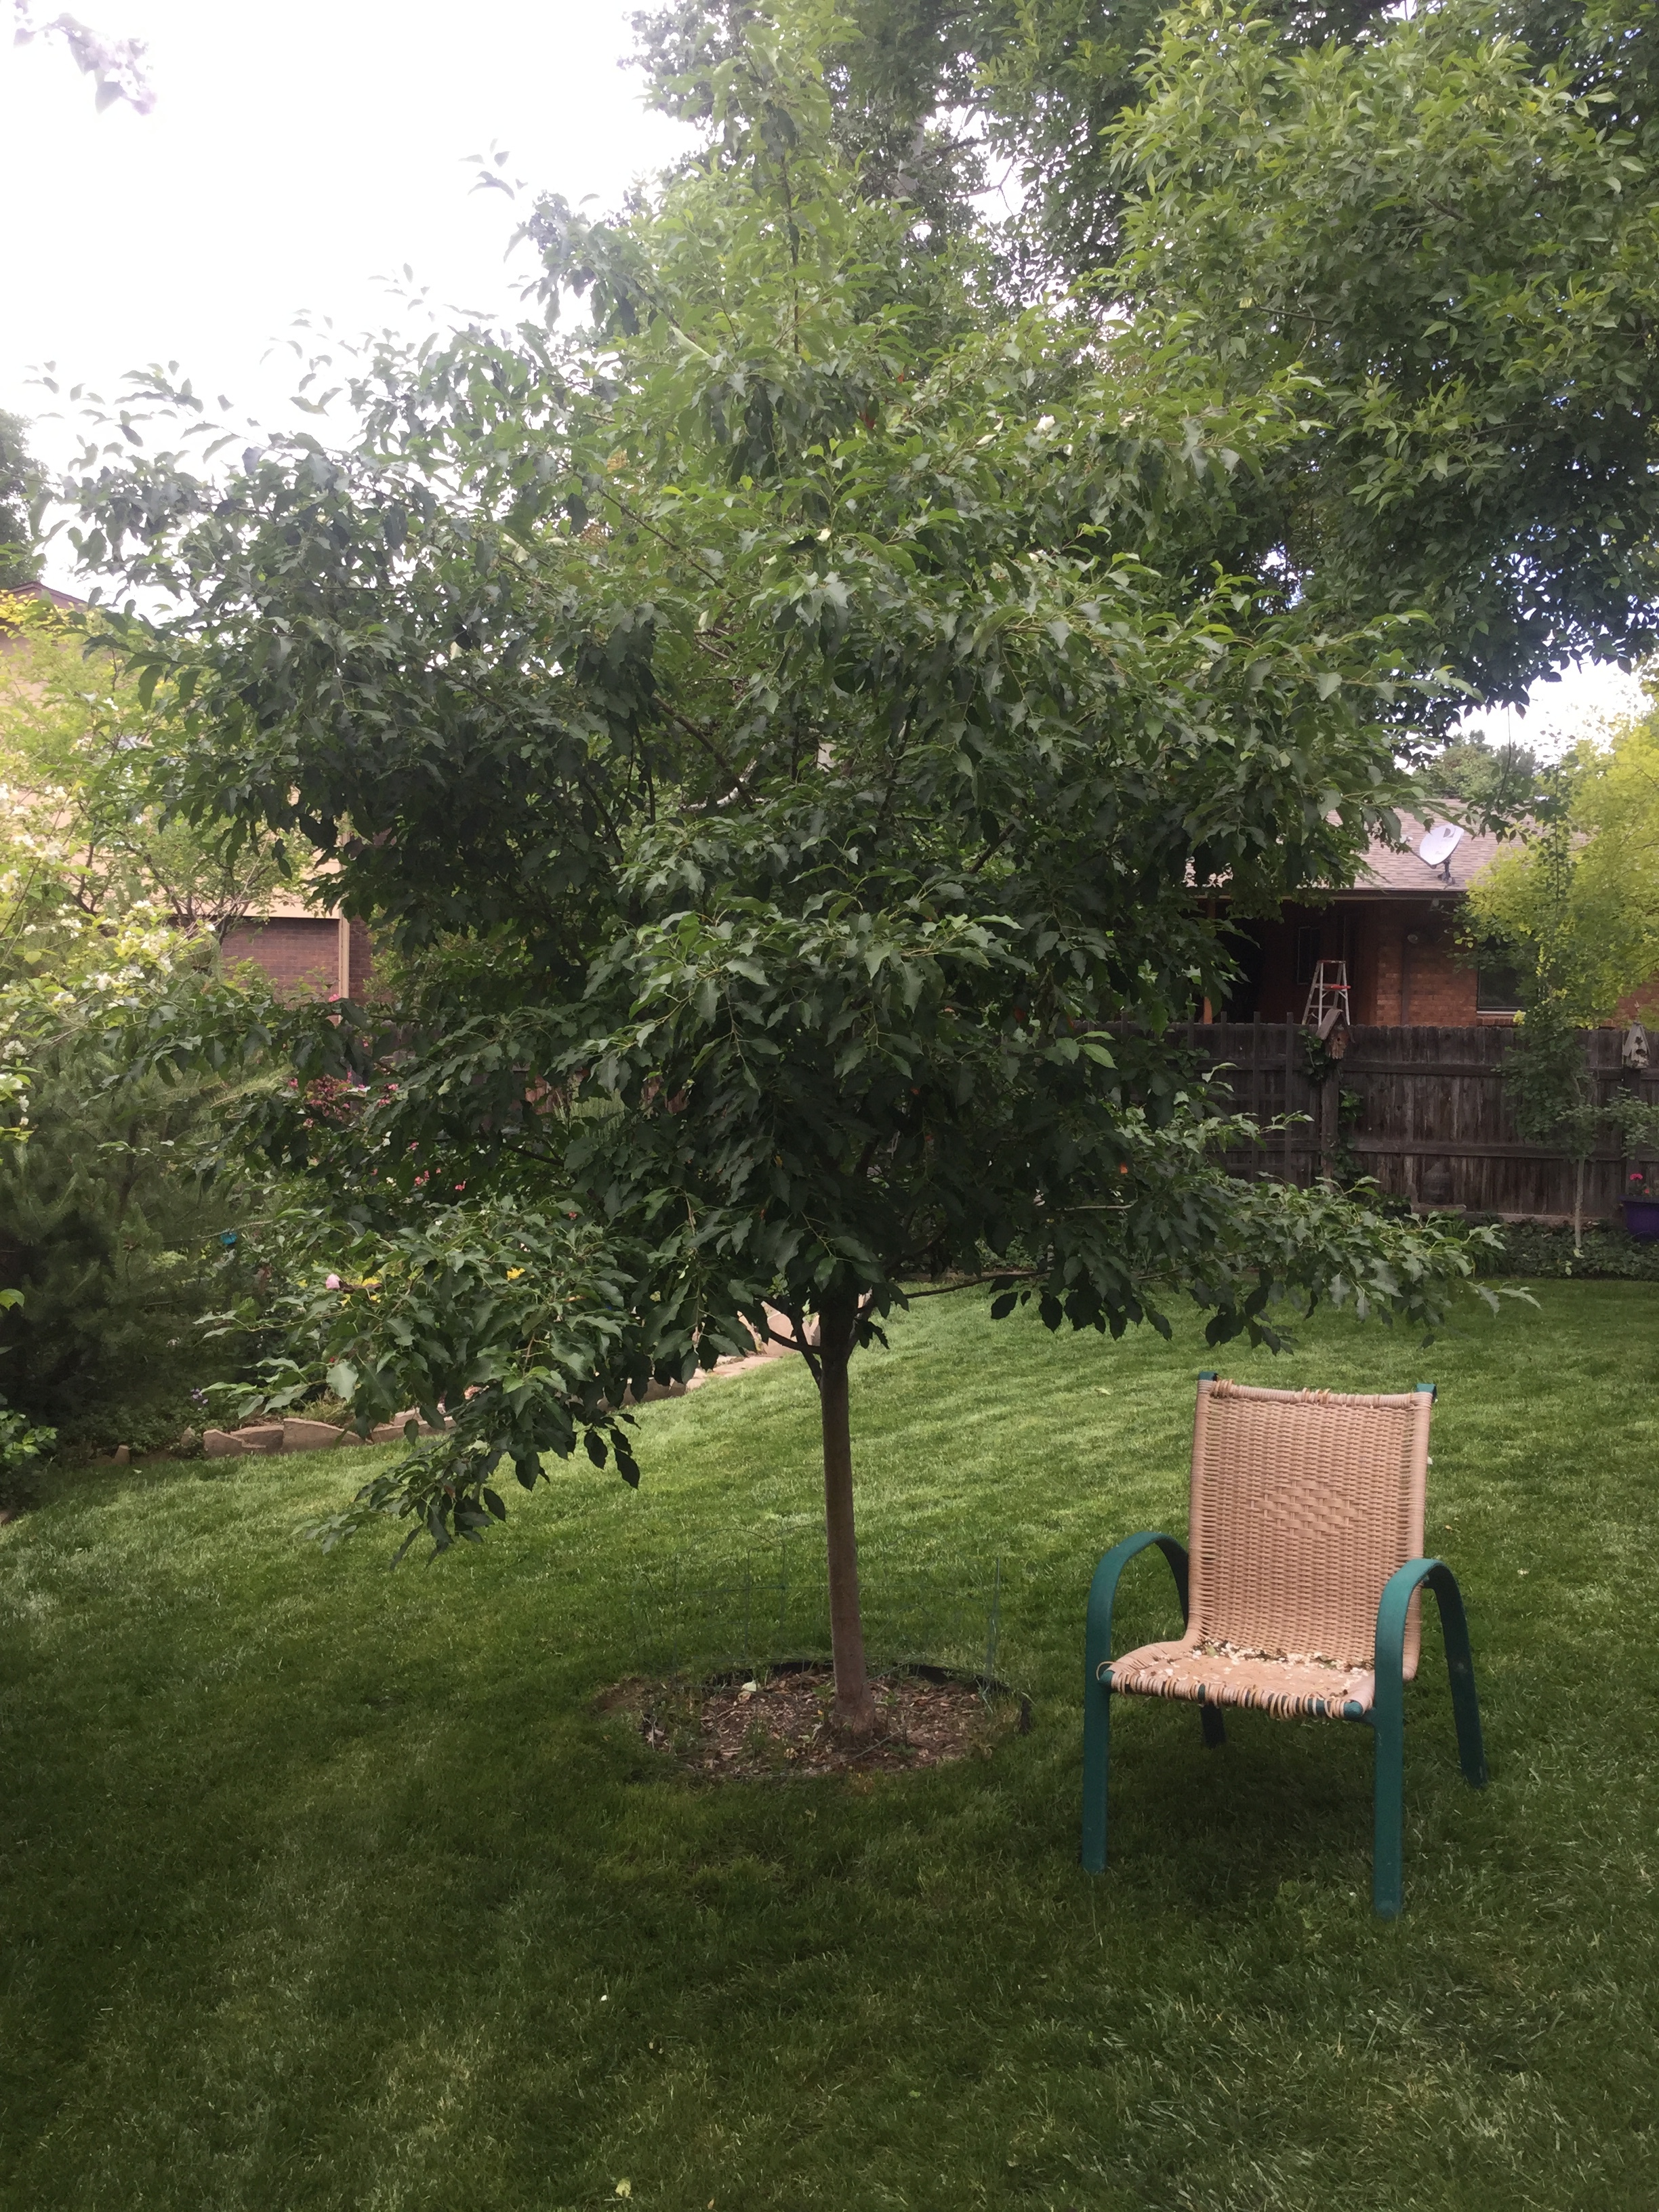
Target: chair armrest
{"x": 1103, "y": 1592}
{"x": 1389, "y": 1657}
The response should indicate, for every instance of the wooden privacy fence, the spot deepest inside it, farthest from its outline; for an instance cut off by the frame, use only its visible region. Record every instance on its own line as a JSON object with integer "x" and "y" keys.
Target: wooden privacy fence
{"x": 1426, "y": 1115}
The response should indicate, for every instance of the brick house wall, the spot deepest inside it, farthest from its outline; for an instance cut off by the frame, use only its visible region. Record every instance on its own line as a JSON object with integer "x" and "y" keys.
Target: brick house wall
{"x": 1417, "y": 981}
{"x": 302, "y": 953}
{"x": 1396, "y": 929}
{"x": 1404, "y": 968}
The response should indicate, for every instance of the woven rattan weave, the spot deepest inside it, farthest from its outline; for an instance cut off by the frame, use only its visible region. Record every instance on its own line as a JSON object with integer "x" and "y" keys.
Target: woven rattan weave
{"x": 1303, "y": 1502}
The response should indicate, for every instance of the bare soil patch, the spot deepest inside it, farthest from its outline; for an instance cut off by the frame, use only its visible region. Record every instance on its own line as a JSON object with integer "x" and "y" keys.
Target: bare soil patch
{"x": 778, "y": 1723}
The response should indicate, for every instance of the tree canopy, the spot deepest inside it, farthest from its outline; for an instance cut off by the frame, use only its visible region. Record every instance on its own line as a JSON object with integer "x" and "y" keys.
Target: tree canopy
{"x": 1444, "y": 220}
{"x": 782, "y": 724}
{"x": 934, "y": 100}
{"x": 1457, "y": 247}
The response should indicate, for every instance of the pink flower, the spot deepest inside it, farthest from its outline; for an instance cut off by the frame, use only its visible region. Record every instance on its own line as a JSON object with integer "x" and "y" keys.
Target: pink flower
{"x": 332, "y": 1283}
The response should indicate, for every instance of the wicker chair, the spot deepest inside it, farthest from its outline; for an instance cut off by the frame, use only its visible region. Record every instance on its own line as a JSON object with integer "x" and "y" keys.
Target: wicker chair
{"x": 1304, "y": 1593}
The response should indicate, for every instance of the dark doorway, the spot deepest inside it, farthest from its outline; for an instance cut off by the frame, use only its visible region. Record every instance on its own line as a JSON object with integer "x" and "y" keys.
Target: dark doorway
{"x": 1248, "y": 950}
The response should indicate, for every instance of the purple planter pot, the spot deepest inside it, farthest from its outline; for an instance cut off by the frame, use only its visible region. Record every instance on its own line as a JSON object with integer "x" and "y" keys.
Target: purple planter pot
{"x": 1642, "y": 1218}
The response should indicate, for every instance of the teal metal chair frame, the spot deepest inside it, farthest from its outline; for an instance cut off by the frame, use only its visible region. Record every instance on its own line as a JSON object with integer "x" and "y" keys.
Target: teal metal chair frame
{"x": 1387, "y": 1717}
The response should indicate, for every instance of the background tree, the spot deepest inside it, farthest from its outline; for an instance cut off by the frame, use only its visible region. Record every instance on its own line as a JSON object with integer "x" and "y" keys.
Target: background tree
{"x": 22, "y": 492}
{"x": 1551, "y": 1094}
{"x": 111, "y": 1229}
{"x": 113, "y": 1192}
{"x": 934, "y": 99}
{"x": 783, "y": 724}
{"x": 1574, "y": 907}
{"x": 76, "y": 745}
{"x": 1614, "y": 896}
{"x": 1484, "y": 395}
{"x": 110, "y": 1215}
{"x": 1575, "y": 902}
{"x": 1485, "y": 398}
{"x": 1490, "y": 786}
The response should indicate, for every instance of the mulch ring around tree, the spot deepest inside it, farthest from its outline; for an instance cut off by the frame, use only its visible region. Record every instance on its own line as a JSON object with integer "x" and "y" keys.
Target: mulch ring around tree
{"x": 748, "y": 1727}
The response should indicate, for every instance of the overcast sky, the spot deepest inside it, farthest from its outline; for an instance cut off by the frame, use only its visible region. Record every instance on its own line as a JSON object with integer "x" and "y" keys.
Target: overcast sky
{"x": 294, "y": 155}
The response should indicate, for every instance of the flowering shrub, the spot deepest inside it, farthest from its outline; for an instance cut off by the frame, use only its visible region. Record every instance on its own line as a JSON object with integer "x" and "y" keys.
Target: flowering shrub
{"x": 1637, "y": 1122}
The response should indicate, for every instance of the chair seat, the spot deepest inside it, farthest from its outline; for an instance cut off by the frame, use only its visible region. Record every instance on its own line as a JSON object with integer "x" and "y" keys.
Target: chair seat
{"x": 1216, "y": 1674}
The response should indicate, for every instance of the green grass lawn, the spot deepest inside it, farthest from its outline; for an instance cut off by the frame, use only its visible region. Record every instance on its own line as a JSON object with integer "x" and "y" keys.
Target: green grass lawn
{"x": 329, "y": 1887}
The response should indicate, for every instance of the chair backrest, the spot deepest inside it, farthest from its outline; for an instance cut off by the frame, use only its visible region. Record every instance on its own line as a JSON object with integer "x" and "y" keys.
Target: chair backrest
{"x": 1303, "y": 1502}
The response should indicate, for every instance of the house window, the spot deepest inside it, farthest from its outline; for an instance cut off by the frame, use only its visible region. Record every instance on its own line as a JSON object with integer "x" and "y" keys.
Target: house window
{"x": 1497, "y": 985}
{"x": 1309, "y": 945}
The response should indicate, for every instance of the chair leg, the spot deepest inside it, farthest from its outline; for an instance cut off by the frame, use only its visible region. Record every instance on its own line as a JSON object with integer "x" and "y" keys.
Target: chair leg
{"x": 1388, "y": 1712}
{"x": 1215, "y": 1728}
{"x": 1096, "y": 1766}
{"x": 1387, "y": 1843}
{"x": 1460, "y": 1666}
{"x": 1097, "y": 1692}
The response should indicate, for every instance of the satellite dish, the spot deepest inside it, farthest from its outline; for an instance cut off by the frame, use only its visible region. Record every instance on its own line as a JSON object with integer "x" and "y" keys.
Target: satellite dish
{"x": 1440, "y": 843}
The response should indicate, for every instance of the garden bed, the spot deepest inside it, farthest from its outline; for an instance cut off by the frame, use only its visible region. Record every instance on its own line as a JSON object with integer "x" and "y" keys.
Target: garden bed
{"x": 1544, "y": 1252}
{"x": 748, "y": 1727}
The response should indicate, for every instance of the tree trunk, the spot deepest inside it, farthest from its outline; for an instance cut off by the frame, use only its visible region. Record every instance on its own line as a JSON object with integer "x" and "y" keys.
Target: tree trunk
{"x": 854, "y": 1707}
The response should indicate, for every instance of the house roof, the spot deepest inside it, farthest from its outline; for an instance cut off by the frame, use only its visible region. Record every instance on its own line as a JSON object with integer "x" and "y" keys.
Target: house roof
{"x": 62, "y": 600}
{"x": 9, "y": 636}
{"x": 1385, "y": 873}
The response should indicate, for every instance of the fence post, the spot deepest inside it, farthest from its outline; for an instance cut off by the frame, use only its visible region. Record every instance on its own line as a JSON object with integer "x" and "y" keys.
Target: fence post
{"x": 1290, "y": 1069}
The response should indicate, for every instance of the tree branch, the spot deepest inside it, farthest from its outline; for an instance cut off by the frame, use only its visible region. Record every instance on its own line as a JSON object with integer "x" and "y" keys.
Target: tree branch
{"x": 672, "y": 544}
{"x": 796, "y": 1319}
{"x": 737, "y": 782}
